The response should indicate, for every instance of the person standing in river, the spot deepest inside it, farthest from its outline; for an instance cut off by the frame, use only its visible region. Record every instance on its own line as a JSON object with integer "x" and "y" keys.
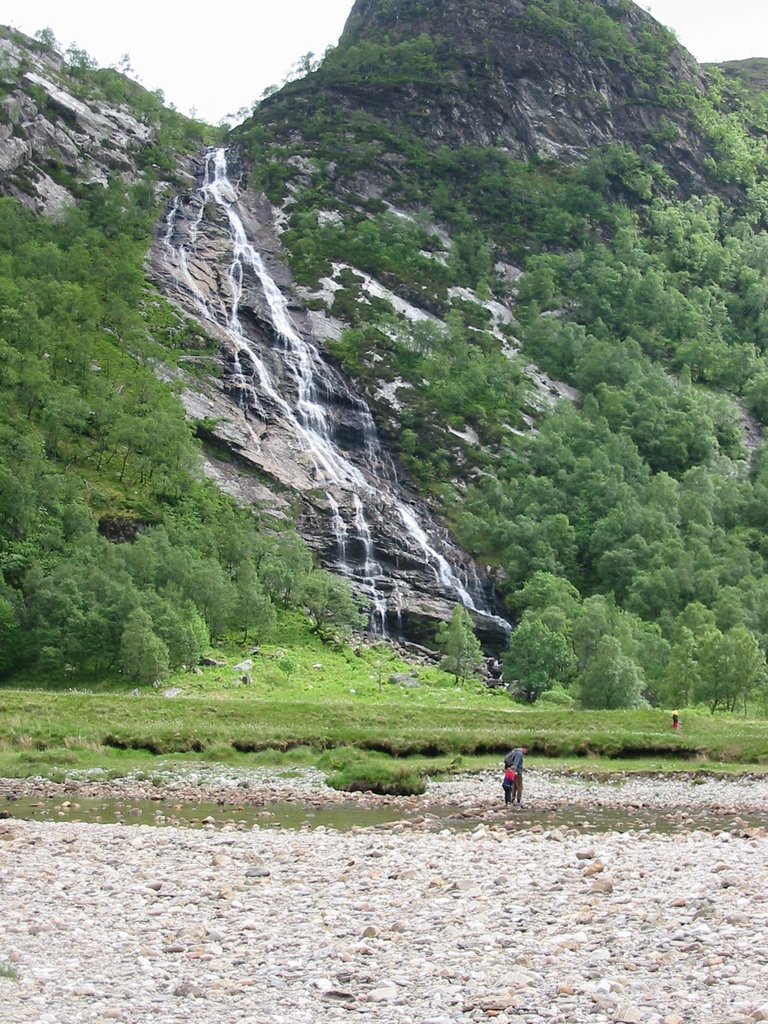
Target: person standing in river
{"x": 514, "y": 760}
{"x": 508, "y": 784}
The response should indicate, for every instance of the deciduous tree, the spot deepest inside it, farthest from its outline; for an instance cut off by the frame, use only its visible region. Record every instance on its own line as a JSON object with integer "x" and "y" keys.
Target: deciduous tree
{"x": 537, "y": 658}
{"x": 143, "y": 655}
{"x": 463, "y": 653}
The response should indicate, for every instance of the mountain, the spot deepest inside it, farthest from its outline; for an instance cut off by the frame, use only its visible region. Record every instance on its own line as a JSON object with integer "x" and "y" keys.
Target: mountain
{"x": 752, "y": 72}
{"x": 536, "y": 80}
{"x": 488, "y": 281}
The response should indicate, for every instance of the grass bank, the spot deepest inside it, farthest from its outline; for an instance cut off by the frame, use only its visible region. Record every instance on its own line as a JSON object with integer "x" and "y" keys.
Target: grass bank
{"x": 44, "y": 733}
{"x": 302, "y": 701}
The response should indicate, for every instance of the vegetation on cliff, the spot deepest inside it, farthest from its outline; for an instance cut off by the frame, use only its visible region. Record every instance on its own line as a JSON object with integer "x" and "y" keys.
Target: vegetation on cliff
{"x": 643, "y": 260}
{"x": 616, "y": 238}
{"x": 115, "y": 554}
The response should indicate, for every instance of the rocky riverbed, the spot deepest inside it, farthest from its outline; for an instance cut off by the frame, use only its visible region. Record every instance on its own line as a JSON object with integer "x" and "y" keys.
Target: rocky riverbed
{"x": 403, "y": 924}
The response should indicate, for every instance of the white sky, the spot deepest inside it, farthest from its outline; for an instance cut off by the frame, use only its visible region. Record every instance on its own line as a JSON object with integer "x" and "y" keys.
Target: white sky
{"x": 215, "y": 60}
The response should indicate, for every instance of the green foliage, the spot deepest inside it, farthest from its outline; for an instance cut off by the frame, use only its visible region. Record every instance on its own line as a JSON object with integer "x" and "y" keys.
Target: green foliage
{"x": 607, "y": 33}
{"x": 642, "y": 492}
{"x": 683, "y": 670}
{"x": 545, "y": 594}
{"x": 629, "y": 524}
{"x": 371, "y": 65}
{"x": 51, "y": 733}
{"x": 7, "y": 970}
{"x": 94, "y": 445}
{"x": 557, "y": 698}
{"x": 385, "y": 245}
{"x": 731, "y": 666}
{"x": 287, "y": 665}
{"x": 330, "y": 603}
{"x": 375, "y": 776}
{"x": 254, "y": 611}
{"x": 143, "y": 655}
{"x": 752, "y": 72}
{"x": 610, "y": 679}
{"x": 9, "y": 637}
{"x": 538, "y": 658}
{"x": 463, "y": 653}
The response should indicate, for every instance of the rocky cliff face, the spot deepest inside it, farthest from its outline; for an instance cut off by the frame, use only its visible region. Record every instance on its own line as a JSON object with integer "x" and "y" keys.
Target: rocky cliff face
{"x": 53, "y": 142}
{"x": 259, "y": 405}
{"x": 539, "y": 81}
{"x": 296, "y": 438}
{"x": 289, "y": 417}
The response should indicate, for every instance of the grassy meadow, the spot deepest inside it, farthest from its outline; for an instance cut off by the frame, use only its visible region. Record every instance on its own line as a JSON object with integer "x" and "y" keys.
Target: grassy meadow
{"x": 335, "y": 707}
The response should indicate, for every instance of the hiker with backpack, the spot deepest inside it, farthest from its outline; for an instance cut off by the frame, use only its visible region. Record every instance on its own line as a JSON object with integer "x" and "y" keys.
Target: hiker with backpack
{"x": 513, "y": 763}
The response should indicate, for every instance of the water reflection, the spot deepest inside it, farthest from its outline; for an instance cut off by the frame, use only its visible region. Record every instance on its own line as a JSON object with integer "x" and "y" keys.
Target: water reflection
{"x": 343, "y": 817}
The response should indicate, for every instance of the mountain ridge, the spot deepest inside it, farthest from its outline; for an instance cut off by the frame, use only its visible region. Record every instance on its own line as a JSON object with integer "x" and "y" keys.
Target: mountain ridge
{"x": 458, "y": 283}
{"x": 540, "y": 81}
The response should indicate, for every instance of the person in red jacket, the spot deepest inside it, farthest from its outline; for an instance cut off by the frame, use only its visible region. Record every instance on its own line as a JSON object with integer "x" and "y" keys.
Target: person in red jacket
{"x": 508, "y": 782}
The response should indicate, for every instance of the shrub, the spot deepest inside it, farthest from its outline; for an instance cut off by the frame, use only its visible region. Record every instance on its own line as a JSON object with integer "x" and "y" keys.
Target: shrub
{"x": 557, "y": 698}
{"x": 8, "y": 971}
{"x": 400, "y": 780}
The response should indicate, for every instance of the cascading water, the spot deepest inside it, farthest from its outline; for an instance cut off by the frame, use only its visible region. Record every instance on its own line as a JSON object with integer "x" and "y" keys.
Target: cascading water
{"x": 371, "y": 569}
{"x": 340, "y": 532}
{"x": 443, "y": 572}
{"x": 179, "y": 254}
{"x": 345, "y": 484}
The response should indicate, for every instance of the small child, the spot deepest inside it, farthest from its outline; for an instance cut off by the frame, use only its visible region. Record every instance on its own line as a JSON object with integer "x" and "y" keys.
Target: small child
{"x": 508, "y": 783}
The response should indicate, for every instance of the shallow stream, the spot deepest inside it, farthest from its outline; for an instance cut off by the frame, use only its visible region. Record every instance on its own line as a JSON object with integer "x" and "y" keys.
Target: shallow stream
{"x": 293, "y": 814}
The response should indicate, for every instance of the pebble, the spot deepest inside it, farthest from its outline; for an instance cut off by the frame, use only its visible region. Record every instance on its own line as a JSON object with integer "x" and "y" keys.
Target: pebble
{"x": 137, "y": 923}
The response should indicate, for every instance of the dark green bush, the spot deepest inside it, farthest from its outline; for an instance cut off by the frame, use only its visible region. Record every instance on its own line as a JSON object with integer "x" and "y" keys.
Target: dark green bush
{"x": 398, "y": 780}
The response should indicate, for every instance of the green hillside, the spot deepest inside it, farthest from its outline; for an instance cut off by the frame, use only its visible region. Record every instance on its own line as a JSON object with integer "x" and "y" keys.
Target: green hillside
{"x": 619, "y": 247}
{"x": 115, "y": 554}
{"x": 630, "y": 522}
{"x": 752, "y": 72}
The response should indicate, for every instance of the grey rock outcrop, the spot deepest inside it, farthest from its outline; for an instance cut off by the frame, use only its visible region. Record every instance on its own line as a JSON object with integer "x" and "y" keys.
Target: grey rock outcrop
{"x": 59, "y": 135}
{"x": 526, "y": 81}
{"x": 253, "y": 409}
{"x": 51, "y": 141}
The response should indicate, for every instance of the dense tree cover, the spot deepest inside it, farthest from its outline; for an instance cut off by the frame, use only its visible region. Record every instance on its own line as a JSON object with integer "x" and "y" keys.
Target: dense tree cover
{"x": 388, "y": 65}
{"x": 94, "y": 446}
{"x": 538, "y": 658}
{"x": 641, "y": 501}
{"x": 625, "y": 528}
{"x": 72, "y": 600}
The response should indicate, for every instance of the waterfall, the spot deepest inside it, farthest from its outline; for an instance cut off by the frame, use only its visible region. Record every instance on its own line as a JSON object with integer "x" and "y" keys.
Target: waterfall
{"x": 340, "y": 532}
{"x": 349, "y": 490}
{"x": 440, "y": 565}
{"x": 371, "y": 569}
{"x": 179, "y": 254}
{"x": 309, "y": 419}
